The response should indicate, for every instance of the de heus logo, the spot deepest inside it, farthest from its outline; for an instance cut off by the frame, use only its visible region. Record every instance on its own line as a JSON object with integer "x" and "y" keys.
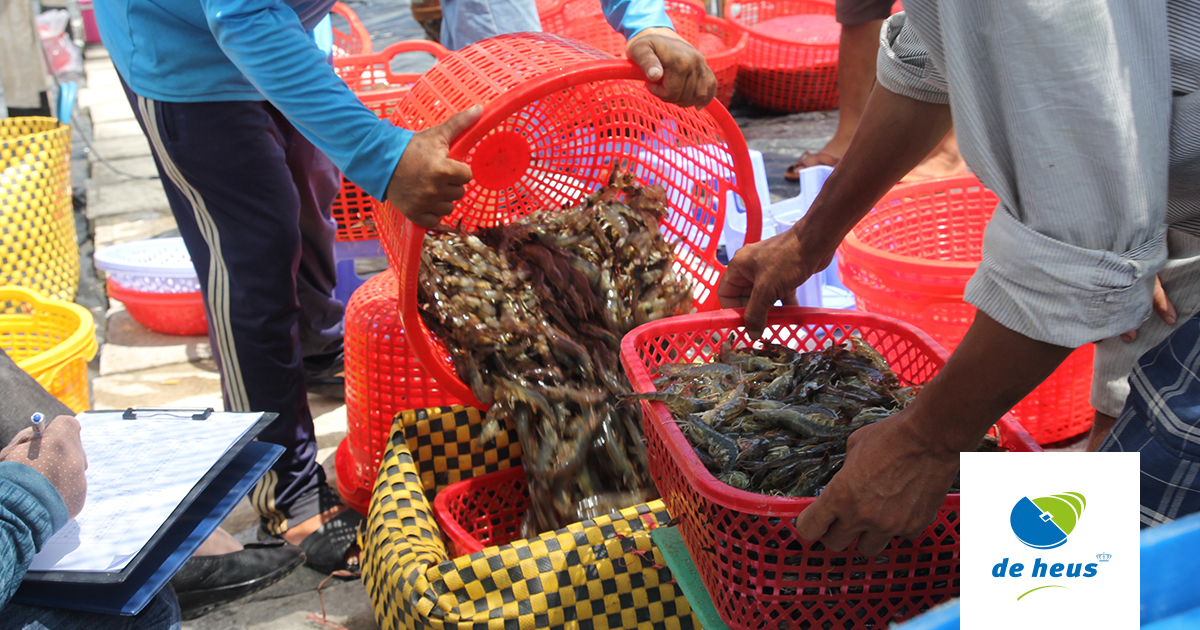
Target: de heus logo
{"x": 1045, "y": 523}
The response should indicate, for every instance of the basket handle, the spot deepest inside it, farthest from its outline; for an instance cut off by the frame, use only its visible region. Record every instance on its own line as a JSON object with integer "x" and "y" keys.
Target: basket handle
{"x": 365, "y": 62}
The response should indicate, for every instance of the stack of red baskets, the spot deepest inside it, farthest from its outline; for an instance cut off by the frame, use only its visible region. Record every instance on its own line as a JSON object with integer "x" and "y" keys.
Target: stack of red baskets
{"x": 371, "y": 77}
{"x": 782, "y": 73}
{"x": 383, "y": 378}
{"x": 911, "y": 258}
{"x": 720, "y": 43}
{"x": 791, "y": 59}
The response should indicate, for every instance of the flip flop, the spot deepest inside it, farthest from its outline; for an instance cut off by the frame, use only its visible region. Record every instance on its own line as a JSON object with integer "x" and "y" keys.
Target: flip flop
{"x": 792, "y": 174}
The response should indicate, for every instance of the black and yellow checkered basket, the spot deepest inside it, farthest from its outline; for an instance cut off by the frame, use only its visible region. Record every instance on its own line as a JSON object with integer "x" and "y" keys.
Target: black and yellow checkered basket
{"x": 600, "y": 574}
{"x": 37, "y": 224}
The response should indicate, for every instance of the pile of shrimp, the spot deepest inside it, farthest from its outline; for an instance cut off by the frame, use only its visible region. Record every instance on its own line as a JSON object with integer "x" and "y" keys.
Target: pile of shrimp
{"x": 533, "y": 313}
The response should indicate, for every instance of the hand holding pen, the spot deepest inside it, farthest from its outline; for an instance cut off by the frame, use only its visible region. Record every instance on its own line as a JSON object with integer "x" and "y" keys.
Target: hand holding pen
{"x": 54, "y": 449}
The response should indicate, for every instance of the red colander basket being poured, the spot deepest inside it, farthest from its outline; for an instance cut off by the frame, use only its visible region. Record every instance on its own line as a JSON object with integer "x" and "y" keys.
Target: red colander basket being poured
{"x": 558, "y": 115}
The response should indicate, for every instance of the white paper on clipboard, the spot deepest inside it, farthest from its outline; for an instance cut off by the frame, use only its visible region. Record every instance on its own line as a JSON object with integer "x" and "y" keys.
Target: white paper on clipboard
{"x": 138, "y": 472}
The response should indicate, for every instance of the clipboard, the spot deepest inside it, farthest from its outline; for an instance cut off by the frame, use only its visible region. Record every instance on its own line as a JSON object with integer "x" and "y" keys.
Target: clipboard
{"x": 176, "y": 545}
{"x": 77, "y": 578}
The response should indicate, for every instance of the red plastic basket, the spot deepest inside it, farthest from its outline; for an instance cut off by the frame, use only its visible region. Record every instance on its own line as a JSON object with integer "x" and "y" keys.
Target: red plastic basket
{"x": 355, "y": 40}
{"x": 546, "y": 6}
{"x": 911, "y": 258}
{"x": 584, "y": 20}
{"x": 722, "y": 45}
{"x": 778, "y": 73}
{"x": 759, "y": 572}
{"x": 483, "y": 511}
{"x": 168, "y": 313}
{"x": 370, "y": 75}
{"x": 383, "y": 377}
{"x": 558, "y": 115}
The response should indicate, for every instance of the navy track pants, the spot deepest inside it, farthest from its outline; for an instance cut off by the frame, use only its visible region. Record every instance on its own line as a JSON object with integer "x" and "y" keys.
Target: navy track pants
{"x": 251, "y": 195}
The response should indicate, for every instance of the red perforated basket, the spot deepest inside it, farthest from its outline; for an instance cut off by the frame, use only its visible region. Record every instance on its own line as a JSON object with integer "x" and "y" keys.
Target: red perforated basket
{"x": 355, "y": 40}
{"x": 483, "y": 511}
{"x": 758, "y": 571}
{"x": 583, "y": 20}
{"x": 722, "y": 45}
{"x": 720, "y": 42}
{"x": 558, "y": 115}
{"x": 781, "y": 73}
{"x": 383, "y": 378}
{"x": 167, "y": 313}
{"x": 911, "y": 257}
{"x": 371, "y": 77}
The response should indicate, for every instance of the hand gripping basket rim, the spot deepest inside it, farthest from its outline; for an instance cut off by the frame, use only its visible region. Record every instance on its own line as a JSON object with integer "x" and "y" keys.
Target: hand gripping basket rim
{"x": 695, "y": 472}
{"x": 411, "y": 236}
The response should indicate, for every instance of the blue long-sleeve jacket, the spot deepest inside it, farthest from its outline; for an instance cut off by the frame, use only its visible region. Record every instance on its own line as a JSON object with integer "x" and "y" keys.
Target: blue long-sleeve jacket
{"x": 232, "y": 50}
{"x": 31, "y": 510}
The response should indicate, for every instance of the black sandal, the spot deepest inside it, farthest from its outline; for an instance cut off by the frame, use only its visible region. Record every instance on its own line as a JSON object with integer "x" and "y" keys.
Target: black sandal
{"x": 334, "y": 546}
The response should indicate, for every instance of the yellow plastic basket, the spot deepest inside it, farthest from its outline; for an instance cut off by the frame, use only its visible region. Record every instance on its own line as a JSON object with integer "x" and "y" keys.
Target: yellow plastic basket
{"x": 37, "y": 225}
{"x": 50, "y": 339}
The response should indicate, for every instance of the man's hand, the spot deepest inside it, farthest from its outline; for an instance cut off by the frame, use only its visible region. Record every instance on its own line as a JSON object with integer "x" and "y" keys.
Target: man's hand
{"x": 763, "y": 272}
{"x": 58, "y": 455}
{"x": 1162, "y": 306}
{"x": 675, "y": 71}
{"x": 891, "y": 484}
{"x": 426, "y": 182}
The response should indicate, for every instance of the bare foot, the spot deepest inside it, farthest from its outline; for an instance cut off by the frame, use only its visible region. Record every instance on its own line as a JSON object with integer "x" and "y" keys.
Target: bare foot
{"x": 218, "y": 544}
{"x": 298, "y": 533}
{"x": 857, "y": 49}
{"x": 943, "y": 161}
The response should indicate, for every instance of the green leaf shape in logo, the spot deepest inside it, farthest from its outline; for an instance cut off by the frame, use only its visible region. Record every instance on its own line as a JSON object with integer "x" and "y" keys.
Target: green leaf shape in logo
{"x": 1064, "y": 509}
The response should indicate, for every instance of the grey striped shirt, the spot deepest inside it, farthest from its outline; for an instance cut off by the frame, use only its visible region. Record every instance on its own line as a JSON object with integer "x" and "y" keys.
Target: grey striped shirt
{"x": 1066, "y": 111}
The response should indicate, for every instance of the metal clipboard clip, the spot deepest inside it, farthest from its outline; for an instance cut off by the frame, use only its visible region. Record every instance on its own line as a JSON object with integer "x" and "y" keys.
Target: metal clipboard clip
{"x": 195, "y": 413}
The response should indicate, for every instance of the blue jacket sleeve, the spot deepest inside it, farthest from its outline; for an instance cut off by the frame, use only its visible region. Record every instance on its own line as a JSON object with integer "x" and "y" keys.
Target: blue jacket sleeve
{"x": 31, "y": 510}
{"x": 630, "y": 17}
{"x": 265, "y": 40}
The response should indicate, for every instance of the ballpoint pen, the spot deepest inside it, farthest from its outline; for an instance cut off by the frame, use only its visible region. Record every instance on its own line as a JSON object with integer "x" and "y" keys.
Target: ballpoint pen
{"x": 36, "y": 421}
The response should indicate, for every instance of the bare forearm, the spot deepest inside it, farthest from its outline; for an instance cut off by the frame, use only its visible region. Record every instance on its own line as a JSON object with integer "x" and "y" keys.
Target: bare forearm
{"x": 990, "y": 371}
{"x": 896, "y": 132}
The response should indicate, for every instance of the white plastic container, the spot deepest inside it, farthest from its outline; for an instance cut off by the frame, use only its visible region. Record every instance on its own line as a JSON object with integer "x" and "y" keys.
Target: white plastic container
{"x": 734, "y": 234}
{"x": 157, "y": 265}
